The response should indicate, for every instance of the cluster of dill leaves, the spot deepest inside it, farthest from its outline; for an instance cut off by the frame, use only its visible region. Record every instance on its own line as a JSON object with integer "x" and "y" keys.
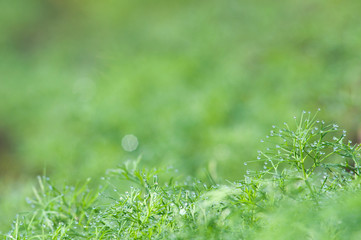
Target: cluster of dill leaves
{"x": 307, "y": 188}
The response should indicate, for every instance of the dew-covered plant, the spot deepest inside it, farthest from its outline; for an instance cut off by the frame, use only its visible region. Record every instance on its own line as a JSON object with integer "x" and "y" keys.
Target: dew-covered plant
{"x": 309, "y": 165}
{"x": 312, "y": 151}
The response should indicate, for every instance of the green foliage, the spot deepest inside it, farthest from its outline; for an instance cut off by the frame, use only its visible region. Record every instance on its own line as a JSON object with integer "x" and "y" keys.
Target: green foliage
{"x": 309, "y": 172}
{"x": 197, "y": 82}
{"x": 313, "y": 149}
{"x": 207, "y": 78}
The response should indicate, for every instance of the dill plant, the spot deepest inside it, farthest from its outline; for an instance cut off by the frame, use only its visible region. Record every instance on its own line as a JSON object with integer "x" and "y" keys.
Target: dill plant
{"x": 314, "y": 155}
{"x": 308, "y": 166}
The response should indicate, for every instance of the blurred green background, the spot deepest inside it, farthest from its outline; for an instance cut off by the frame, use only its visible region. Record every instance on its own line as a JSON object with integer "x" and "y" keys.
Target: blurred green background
{"x": 199, "y": 83}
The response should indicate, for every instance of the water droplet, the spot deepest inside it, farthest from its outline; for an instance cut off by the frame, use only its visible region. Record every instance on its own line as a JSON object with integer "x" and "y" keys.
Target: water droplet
{"x": 129, "y": 143}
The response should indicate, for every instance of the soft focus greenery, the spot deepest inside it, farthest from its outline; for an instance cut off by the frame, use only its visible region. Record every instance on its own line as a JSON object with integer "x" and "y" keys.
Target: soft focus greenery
{"x": 197, "y": 82}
